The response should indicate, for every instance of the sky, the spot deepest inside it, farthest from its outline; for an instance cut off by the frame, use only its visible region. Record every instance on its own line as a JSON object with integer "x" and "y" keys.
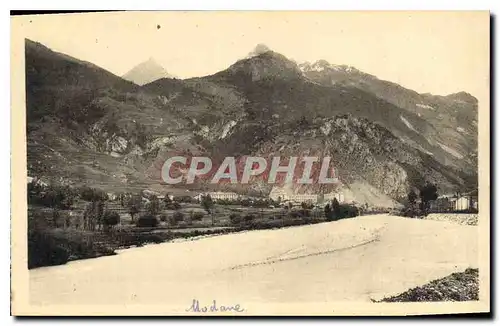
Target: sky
{"x": 435, "y": 52}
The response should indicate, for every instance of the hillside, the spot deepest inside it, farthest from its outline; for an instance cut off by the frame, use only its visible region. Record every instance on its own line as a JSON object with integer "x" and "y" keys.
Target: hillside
{"x": 86, "y": 125}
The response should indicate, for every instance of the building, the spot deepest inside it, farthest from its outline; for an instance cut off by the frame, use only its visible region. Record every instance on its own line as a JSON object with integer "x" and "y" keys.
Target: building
{"x": 277, "y": 194}
{"x": 218, "y": 195}
{"x": 461, "y": 203}
{"x": 112, "y": 196}
{"x": 303, "y": 198}
{"x": 447, "y": 203}
{"x": 442, "y": 204}
{"x": 332, "y": 195}
{"x": 37, "y": 181}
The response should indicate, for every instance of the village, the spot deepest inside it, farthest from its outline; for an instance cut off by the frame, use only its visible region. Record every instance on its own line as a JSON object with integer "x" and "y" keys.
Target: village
{"x": 283, "y": 196}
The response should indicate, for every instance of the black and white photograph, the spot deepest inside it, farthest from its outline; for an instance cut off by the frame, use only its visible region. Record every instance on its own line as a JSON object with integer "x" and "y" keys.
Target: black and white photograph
{"x": 251, "y": 163}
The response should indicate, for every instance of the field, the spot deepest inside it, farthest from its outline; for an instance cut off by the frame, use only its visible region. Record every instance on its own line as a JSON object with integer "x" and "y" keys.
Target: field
{"x": 220, "y": 213}
{"x": 54, "y": 241}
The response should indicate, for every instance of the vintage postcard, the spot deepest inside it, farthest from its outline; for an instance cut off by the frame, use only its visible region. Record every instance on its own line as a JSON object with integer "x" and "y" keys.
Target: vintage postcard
{"x": 250, "y": 163}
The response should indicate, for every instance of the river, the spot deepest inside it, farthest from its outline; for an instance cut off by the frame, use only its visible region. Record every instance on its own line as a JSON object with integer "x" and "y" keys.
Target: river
{"x": 357, "y": 259}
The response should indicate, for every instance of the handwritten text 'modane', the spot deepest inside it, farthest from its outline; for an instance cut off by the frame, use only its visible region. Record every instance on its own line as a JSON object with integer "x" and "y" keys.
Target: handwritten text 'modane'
{"x": 195, "y": 307}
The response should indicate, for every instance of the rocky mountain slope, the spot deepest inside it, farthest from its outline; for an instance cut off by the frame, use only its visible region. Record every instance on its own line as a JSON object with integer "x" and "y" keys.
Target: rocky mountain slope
{"x": 86, "y": 125}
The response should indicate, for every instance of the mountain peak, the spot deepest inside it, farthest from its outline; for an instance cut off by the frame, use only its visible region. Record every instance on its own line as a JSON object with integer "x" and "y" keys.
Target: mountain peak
{"x": 146, "y": 72}
{"x": 262, "y": 51}
{"x": 258, "y": 50}
{"x": 263, "y": 63}
{"x": 463, "y": 97}
{"x": 151, "y": 60}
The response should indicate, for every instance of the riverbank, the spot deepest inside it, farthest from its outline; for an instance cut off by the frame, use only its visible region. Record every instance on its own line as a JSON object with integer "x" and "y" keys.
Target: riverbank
{"x": 50, "y": 247}
{"x": 462, "y": 286}
{"x": 461, "y": 218}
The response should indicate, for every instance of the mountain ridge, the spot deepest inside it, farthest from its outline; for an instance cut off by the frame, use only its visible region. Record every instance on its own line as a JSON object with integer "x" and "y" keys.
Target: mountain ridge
{"x": 114, "y": 133}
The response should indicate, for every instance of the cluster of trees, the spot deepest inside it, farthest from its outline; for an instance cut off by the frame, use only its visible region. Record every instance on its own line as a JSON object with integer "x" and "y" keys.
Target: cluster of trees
{"x": 427, "y": 194}
{"x": 61, "y": 197}
{"x": 304, "y": 212}
{"x": 92, "y": 194}
{"x": 237, "y": 219}
{"x": 94, "y": 217}
{"x": 258, "y": 203}
{"x": 147, "y": 220}
{"x": 97, "y": 217}
{"x": 208, "y": 204}
{"x": 135, "y": 204}
{"x": 336, "y": 211}
{"x": 305, "y": 205}
{"x": 181, "y": 199}
{"x": 154, "y": 206}
{"x": 152, "y": 210}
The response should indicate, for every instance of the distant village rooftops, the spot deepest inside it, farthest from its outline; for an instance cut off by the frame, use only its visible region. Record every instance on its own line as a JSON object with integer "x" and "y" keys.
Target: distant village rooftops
{"x": 219, "y": 195}
{"x": 287, "y": 195}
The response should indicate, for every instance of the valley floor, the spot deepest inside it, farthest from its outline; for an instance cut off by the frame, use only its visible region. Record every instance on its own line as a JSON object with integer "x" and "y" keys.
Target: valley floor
{"x": 361, "y": 259}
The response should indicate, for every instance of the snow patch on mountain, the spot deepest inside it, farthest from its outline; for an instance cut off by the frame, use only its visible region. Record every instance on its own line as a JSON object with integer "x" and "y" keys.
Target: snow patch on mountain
{"x": 161, "y": 142}
{"x": 118, "y": 144}
{"x": 204, "y": 131}
{"x": 425, "y": 106}
{"x": 425, "y": 151}
{"x": 407, "y": 123}
{"x": 322, "y": 65}
{"x": 450, "y": 151}
{"x": 325, "y": 129}
{"x": 227, "y": 128}
{"x": 317, "y": 68}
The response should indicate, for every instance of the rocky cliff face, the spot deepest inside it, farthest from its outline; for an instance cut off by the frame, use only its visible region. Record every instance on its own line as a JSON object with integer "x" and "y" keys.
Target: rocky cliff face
{"x": 363, "y": 154}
